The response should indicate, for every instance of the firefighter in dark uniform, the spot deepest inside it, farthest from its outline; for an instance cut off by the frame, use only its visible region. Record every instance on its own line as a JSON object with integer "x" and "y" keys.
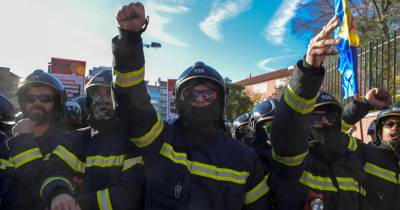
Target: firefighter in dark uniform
{"x": 41, "y": 98}
{"x": 191, "y": 164}
{"x": 241, "y": 130}
{"x": 318, "y": 171}
{"x": 381, "y": 159}
{"x": 106, "y": 165}
{"x": 260, "y": 124}
{"x": 6, "y": 121}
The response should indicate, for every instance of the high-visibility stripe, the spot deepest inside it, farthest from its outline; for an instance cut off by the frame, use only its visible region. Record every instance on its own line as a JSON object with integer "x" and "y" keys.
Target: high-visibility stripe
{"x": 128, "y": 79}
{"x": 103, "y": 199}
{"x": 288, "y": 160}
{"x": 25, "y": 157}
{"x": 257, "y": 192}
{"x": 102, "y": 161}
{"x": 297, "y": 103}
{"x": 382, "y": 173}
{"x": 352, "y": 145}
{"x": 149, "y": 137}
{"x": 345, "y": 126}
{"x": 326, "y": 184}
{"x": 317, "y": 182}
{"x": 349, "y": 184}
{"x": 204, "y": 170}
{"x": 52, "y": 179}
{"x": 5, "y": 164}
{"x": 129, "y": 163}
{"x": 69, "y": 158}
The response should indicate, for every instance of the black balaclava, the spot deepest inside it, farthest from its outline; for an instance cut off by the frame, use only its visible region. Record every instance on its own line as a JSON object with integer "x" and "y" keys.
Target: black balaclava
{"x": 202, "y": 120}
{"x": 329, "y": 138}
{"x": 261, "y": 133}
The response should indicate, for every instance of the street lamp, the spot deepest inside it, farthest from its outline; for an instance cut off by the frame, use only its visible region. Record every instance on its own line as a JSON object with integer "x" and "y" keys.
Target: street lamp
{"x": 152, "y": 45}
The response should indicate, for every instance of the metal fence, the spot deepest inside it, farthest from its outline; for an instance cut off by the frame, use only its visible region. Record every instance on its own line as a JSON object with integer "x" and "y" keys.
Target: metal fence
{"x": 378, "y": 66}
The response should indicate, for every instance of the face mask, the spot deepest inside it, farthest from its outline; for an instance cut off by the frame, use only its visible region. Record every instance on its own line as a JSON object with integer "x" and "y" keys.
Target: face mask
{"x": 102, "y": 110}
{"x": 200, "y": 116}
{"x": 330, "y": 139}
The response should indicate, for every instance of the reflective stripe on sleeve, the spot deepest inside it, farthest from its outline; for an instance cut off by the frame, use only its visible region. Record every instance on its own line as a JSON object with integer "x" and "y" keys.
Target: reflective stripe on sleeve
{"x": 52, "y": 179}
{"x": 326, "y": 184}
{"x": 257, "y": 192}
{"x": 104, "y": 161}
{"x": 382, "y": 173}
{"x": 129, "y": 163}
{"x": 350, "y": 184}
{"x": 103, "y": 199}
{"x": 202, "y": 169}
{"x": 150, "y": 136}
{"x": 128, "y": 79}
{"x": 290, "y": 161}
{"x": 297, "y": 103}
{"x": 69, "y": 158}
{"x": 317, "y": 182}
{"x": 26, "y": 157}
{"x": 345, "y": 126}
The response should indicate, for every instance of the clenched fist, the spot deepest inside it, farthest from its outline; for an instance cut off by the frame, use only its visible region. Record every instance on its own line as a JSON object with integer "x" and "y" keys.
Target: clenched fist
{"x": 131, "y": 17}
{"x": 378, "y": 98}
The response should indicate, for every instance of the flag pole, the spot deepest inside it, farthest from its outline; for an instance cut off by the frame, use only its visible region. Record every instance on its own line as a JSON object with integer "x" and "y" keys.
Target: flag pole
{"x": 358, "y": 99}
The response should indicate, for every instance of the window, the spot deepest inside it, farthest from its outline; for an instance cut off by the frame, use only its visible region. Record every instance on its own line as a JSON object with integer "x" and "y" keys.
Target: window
{"x": 260, "y": 88}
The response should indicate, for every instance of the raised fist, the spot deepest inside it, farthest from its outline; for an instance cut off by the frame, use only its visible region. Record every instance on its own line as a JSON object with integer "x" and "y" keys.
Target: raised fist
{"x": 131, "y": 17}
{"x": 378, "y": 98}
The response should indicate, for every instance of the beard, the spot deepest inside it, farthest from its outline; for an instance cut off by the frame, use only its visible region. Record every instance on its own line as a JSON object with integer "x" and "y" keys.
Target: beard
{"x": 40, "y": 115}
{"x": 330, "y": 139}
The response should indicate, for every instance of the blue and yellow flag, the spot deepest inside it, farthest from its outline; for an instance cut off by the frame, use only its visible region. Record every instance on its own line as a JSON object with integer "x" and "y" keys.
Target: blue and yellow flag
{"x": 347, "y": 65}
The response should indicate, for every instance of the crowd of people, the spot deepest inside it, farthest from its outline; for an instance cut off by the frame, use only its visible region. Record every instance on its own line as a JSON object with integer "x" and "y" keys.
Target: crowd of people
{"x": 110, "y": 149}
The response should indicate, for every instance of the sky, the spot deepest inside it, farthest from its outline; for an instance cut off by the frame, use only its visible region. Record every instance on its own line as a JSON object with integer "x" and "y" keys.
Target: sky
{"x": 237, "y": 37}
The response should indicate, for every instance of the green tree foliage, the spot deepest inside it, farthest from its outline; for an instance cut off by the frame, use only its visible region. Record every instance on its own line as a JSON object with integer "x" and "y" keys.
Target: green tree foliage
{"x": 238, "y": 102}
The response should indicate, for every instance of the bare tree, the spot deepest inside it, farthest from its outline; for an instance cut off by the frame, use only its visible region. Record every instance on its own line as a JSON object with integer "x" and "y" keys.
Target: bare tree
{"x": 373, "y": 18}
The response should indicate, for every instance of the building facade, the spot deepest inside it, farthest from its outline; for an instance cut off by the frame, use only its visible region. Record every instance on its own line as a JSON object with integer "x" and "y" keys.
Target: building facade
{"x": 266, "y": 85}
{"x": 159, "y": 97}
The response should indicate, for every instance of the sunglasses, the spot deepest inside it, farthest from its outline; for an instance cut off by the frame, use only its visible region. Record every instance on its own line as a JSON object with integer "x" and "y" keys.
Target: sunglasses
{"x": 315, "y": 118}
{"x": 41, "y": 98}
{"x": 208, "y": 96}
{"x": 391, "y": 124}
